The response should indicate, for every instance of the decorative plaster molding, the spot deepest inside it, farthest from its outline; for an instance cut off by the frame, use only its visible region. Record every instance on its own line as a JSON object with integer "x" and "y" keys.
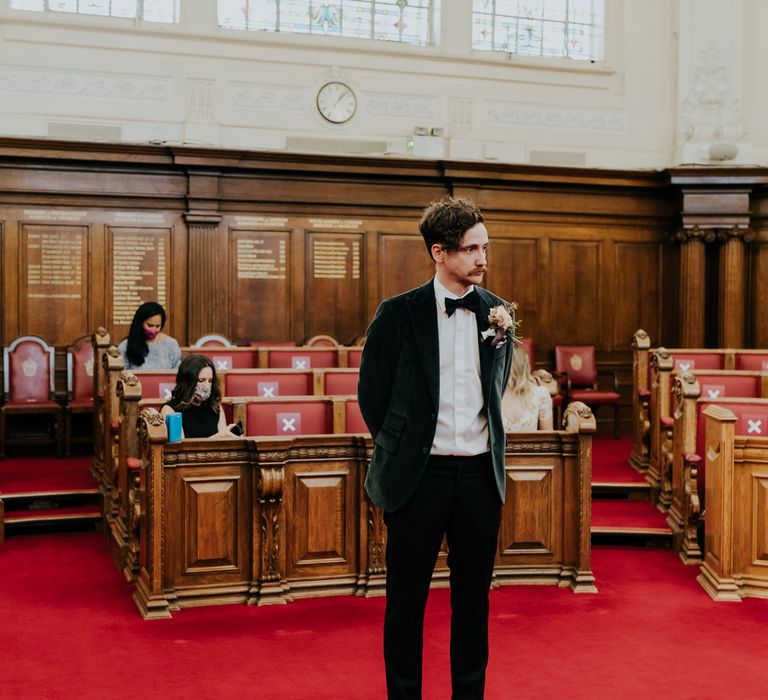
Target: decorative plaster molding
{"x": 460, "y": 116}
{"x": 710, "y": 111}
{"x": 200, "y": 100}
{"x": 107, "y": 85}
{"x": 267, "y": 97}
{"x": 398, "y": 106}
{"x": 556, "y": 117}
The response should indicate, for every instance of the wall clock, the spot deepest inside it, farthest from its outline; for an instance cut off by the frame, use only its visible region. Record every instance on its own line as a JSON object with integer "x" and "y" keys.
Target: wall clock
{"x": 336, "y": 102}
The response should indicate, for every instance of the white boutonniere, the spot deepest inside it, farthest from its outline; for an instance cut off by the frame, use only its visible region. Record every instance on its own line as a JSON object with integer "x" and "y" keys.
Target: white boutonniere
{"x": 502, "y": 325}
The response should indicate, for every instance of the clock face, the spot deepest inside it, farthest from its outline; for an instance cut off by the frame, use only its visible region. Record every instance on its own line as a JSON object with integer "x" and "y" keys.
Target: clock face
{"x": 336, "y": 102}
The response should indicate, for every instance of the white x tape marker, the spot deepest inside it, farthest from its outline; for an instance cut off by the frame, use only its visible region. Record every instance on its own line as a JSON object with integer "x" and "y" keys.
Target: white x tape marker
{"x": 754, "y": 426}
{"x": 289, "y": 425}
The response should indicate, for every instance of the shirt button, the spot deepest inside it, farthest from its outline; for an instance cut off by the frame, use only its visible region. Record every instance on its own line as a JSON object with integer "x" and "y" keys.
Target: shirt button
{"x": 425, "y": 450}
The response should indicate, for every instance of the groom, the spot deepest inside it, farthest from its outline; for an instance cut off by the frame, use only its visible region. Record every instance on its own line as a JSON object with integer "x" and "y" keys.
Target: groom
{"x": 430, "y": 392}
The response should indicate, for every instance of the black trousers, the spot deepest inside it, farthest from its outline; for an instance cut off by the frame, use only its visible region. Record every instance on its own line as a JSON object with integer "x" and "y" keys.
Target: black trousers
{"x": 457, "y": 497}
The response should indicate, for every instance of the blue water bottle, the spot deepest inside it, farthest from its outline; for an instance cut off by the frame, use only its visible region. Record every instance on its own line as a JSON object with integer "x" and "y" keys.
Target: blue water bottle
{"x": 173, "y": 423}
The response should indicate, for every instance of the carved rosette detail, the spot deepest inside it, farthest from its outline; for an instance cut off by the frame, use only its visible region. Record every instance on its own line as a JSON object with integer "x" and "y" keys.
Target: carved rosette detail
{"x": 714, "y": 234}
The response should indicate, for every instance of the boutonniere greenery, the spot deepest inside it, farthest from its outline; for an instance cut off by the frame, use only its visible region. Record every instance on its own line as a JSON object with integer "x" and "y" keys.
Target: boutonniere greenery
{"x": 502, "y": 325}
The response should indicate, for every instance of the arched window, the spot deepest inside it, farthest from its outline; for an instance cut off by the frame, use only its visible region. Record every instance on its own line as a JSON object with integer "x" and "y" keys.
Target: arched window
{"x": 407, "y": 21}
{"x": 166, "y": 11}
{"x": 548, "y": 28}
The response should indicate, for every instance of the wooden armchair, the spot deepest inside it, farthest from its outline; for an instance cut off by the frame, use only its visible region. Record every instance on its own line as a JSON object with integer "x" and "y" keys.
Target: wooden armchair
{"x": 80, "y": 387}
{"x": 28, "y": 389}
{"x": 576, "y": 366}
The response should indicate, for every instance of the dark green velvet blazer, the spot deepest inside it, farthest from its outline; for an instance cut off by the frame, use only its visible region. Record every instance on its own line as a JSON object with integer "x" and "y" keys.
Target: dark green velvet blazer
{"x": 399, "y": 389}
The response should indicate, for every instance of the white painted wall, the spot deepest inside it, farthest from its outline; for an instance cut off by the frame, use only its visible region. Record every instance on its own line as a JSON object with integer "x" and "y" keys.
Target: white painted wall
{"x": 97, "y": 78}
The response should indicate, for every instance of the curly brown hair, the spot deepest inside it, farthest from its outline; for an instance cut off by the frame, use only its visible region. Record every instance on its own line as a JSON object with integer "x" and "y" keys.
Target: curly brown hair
{"x": 446, "y": 220}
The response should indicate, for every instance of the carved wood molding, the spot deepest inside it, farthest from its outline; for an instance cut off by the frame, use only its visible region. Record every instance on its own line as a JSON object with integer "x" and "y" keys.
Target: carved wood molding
{"x": 200, "y": 456}
{"x": 714, "y": 234}
{"x": 270, "y": 491}
{"x": 541, "y": 447}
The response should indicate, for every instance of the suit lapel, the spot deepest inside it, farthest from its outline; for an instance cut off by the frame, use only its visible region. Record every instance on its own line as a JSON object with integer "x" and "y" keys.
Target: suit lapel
{"x": 423, "y": 314}
{"x": 487, "y": 351}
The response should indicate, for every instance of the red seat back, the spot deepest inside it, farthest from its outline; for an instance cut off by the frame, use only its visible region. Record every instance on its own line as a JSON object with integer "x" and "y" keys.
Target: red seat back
{"x": 757, "y": 362}
{"x": 289, "y": 418}
{"x": 751, "y": 421}
{"x": 231, "y": 358}
{"x": 267, "y": 384}
{"x": 156, "y": 385}
{"x": 579, "y": 362}
{"x": 341, "y": 382}
{"x": 28, "y": 370}
{"x": 527, "y": 345}
{"x": 690, "y": 362}
{"x": 353, "y": 418}
{"x": 80, "y": 369}
{"x": 302, "y": 358}
{"x": 353, "y": 357}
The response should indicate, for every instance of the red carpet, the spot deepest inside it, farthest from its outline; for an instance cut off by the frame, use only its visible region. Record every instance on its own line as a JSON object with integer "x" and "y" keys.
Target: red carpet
{"x": 70, "y": 630}
{"x": 39, "y": 474}
{"x": 626, "y": 514}
{"x": 609, "y": 461}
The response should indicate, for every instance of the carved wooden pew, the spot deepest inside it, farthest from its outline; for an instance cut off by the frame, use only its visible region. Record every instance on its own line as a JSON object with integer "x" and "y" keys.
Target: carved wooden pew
{"x": 101, "y": 343}
{"x": 279, "y": 357}
{"x": 736, "y": 519}
{"x": 663, "y": 364}
{"x": 692, "y": 394}
{"x": 641, "y": 396}
{"x": 270, "y": 383}
{"x": 267, "y": 520}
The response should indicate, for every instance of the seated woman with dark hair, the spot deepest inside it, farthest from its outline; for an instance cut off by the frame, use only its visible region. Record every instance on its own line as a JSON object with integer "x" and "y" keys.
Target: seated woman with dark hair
{"x": 198, "y": 398}
{"x": 146, "y": 346}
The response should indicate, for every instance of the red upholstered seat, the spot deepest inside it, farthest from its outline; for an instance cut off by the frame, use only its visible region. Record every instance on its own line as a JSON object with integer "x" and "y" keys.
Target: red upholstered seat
{"x": 267, "y": 384}
{"x": 302, "y": 358}
{"x": 28, "y": 388}
{"x": 341, "y": 383}
{"x": 592, "y": 397}
{"x": 354, "y": 422}
{"x": 133, "y": 463}
{"x": 578, "y": 365}
{"x": 667, "y": 422}
{"x": 644, "y": 393}
{"x": 289, "y": 418}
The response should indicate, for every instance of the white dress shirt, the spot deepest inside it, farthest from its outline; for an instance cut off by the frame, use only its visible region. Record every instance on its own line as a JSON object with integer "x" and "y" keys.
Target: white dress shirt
{"x": 462, "y": 428}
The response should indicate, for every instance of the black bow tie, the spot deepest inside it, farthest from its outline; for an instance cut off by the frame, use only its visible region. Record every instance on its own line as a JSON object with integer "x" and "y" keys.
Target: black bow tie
{"x": 471, "y": 302}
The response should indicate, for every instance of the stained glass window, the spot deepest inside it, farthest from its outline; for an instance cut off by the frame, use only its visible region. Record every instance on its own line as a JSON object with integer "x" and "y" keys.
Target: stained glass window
{"x": 407, "y": 21}
{"x": 165, "y": 11}
{"x": 550, "y": 28}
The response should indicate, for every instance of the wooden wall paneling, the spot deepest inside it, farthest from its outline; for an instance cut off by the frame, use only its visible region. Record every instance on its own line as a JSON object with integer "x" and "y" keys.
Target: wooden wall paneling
{"x": 637, "y": 290}
{"x": 514, "y": 273}
{"x": 138, "y": 270}
{"x": 321, "y": 504}
{"x": 260, "y": 285}
{"x": 334, "y": 291}
{"x": 178, "y": 280}
{"x": 731, "y": 293}
{"x": 298, "y": 251}
{"x": 211, "y": 514}
{"x": 371, "y": 275}
{"x": 404, "y": 263}
{"x": 531, "y": 527}
{"x": 759, "y": 292}
{"x": 207, "y": 262}
{"x": 575, "y": 300}
{"x": 54, "y": 290}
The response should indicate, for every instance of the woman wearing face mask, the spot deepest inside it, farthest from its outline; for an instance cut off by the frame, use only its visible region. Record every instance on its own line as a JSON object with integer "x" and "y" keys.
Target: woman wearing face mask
{"x": 198, "y": 398}
{"x": 146, "y": 346}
